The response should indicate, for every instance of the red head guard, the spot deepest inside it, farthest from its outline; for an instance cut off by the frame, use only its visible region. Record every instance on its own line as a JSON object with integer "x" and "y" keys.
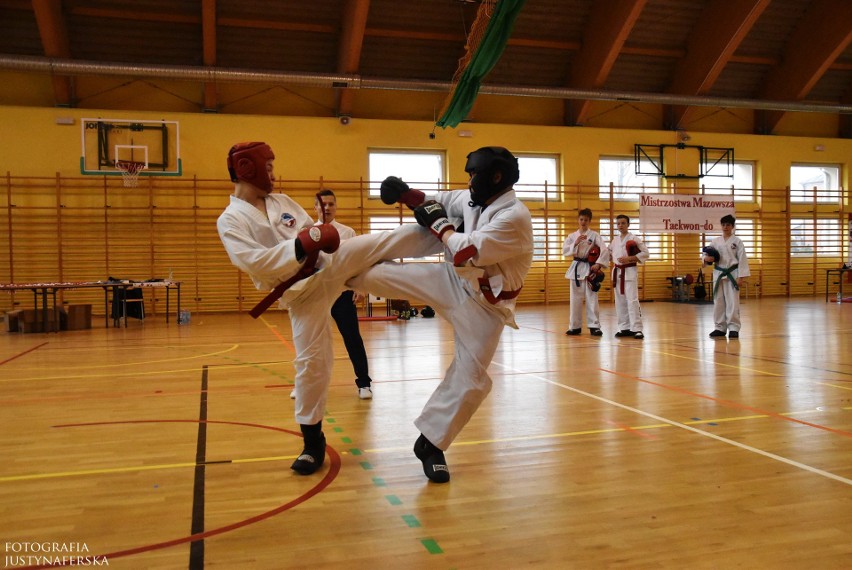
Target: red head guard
{"x": 632, "y": 248}
{"x": 247, "y": 162}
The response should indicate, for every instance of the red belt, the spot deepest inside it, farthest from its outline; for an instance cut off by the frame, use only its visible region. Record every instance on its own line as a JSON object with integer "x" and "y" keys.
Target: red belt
{"x": 485, "y": 287}
{"x": 623, "y": 271}
{"x": 306, "y": 271}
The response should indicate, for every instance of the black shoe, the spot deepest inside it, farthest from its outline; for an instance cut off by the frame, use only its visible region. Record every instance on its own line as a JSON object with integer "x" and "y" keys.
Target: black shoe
{"x": 625, "y": 333}
{"x": 733, "y": 334}
{"x": 572, "y": 332}
{"x": 313, "y": 455}
{"x": 596, "y": 332}
{"x": 639, "y": 335}
{"x": 717, "y": 332}
{"x": 434, "y": 464}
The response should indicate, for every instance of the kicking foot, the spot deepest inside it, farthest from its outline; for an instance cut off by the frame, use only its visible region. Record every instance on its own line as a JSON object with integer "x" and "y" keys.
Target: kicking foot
{"x": 434, "y": 464}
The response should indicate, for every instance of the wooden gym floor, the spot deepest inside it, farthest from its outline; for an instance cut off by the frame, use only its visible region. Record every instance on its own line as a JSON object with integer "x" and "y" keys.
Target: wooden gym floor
{"x": 166, "y": 446}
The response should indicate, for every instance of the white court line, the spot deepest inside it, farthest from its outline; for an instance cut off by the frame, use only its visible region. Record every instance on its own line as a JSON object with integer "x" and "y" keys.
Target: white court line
{"x": 790, "y": 462}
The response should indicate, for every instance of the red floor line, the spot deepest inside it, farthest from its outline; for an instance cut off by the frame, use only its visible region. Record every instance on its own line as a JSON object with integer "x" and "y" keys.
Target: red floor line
{"x": 629, "y": 429}
{"x": 20, "y": 354}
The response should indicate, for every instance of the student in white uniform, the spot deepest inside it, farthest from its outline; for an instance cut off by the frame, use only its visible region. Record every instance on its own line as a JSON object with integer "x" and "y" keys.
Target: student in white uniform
{"x": 274, "y": 240}
{"x": 589, "y": 256}
{"x": 731, "y": 269}
{"x": 626, "y": 251}
{"x": 488, "y": 240}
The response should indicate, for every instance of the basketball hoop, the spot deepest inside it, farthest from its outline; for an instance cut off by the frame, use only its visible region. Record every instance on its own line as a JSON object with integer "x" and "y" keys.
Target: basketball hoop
{"x": 130, "y": 171}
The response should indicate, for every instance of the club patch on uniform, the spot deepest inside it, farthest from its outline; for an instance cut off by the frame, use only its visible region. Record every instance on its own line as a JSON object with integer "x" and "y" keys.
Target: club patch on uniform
{"x": 315, "y": 233}
{"x": 288, "y": 220}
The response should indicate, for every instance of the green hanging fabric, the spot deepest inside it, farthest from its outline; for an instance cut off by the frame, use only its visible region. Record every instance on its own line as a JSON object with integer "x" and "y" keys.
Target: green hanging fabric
{"x": 481, "y": 62}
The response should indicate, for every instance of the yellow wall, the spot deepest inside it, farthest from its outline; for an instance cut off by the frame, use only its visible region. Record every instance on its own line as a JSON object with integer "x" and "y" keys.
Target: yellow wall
{"x": 56, "y": 225}
{"x": 307, "y": 148}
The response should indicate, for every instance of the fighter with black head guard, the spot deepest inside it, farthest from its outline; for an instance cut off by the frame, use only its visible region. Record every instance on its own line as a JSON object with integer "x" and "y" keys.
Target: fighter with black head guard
{"x": 488, "y": 247}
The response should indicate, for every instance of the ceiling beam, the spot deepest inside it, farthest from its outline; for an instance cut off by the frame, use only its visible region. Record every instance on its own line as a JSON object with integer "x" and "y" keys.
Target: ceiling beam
{"x": 349, "y": 49}
{"x": 608, "y": 27}
{"x": 722, "y": 27}
{"x": 54, "y": 40}
{"x": 208, "y": 34}
{"x": 821, "y": 37}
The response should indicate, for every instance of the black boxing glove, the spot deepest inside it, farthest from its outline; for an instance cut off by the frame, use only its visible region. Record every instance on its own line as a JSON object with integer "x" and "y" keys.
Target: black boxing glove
{"x": 431, "y": 214}
{"x": 395, "y": 191}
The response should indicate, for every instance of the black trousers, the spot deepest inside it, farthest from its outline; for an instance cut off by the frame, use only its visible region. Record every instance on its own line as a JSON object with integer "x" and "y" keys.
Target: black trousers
{"x": 345, "y": 315}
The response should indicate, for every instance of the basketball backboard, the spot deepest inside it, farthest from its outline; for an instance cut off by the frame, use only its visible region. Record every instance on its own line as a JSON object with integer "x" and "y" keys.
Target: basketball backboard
{"x": 683, "y": 160}
{"x": 154, "y": 143}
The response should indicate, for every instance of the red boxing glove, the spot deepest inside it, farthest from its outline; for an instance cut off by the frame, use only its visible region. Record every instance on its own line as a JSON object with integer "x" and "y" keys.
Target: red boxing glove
{"x": 323, "y": 237}
{"x": 632, "y": 248}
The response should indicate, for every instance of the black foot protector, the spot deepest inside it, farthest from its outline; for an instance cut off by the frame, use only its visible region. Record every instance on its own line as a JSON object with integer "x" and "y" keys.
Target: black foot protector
{"x": 313, "y": 455}
{"x": 434, "y": 464}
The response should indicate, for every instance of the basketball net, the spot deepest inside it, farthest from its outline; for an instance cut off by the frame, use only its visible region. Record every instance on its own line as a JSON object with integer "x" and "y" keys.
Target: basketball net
{"x": 130, "y": 172}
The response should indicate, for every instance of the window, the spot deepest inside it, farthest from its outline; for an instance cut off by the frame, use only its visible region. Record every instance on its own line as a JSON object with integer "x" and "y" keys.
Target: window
{"x": 744, "y": 230}
{"x": 657, "y": 243}
{"x": 546, "y": 241}
{"x": 815, "y": 183}
{"x": 820, "y": 238}
{"x": 626, "y": 184}
{"x": 539, "y": 174}
{"x": 421, "y": 169}
{"x": 742, "y": 183}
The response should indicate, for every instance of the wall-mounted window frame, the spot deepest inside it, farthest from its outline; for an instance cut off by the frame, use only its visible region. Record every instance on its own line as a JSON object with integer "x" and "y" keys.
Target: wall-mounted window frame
{"x": 818, "y": 183}
{"x": 620, "y": 172}
{"x": 422, "y": 169}
{"x": 742, "y": 183}
{"x": 539, "y": 177}
{"x": 547, "y": 242}
{"x": 816, "y": 237}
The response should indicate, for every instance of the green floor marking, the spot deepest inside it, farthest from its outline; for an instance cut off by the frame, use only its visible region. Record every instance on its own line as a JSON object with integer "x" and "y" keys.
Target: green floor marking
{"x": 431, "y": 546}
{"x": 393, "y": 499}
{"x": 330, "y": 420}
{"x": 346, "y": 440}
{"x": 411, "y": 521}
{"x": 366, "y": 465}
{"x": 261, "y": 368}
{"x": 338, "y": 429}
{"x": 355, "y": 451}
{"x": 379, "y": 482}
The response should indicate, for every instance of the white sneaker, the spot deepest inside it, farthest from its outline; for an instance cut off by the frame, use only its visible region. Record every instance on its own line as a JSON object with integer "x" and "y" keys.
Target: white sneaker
{"x": 293, "y": 394}
{"x": 365, "y": 393}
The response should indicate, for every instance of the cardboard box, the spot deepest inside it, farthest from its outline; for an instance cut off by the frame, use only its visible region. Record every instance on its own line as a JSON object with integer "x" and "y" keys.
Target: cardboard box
{"x": 77, "y": 317}
{"x": 32, "y": 321}
{"x": 12, "y": 321}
